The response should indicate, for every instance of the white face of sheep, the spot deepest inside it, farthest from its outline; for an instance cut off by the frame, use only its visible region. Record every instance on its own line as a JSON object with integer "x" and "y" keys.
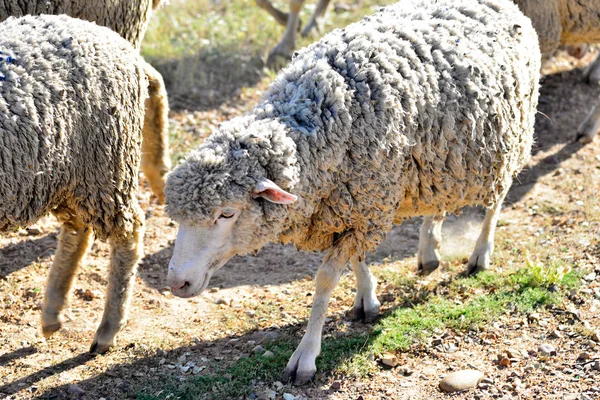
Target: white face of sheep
{"x": 204, "y": 247}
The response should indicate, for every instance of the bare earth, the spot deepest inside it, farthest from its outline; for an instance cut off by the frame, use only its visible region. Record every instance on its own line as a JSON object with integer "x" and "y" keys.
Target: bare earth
{"x": 164, "y": 330}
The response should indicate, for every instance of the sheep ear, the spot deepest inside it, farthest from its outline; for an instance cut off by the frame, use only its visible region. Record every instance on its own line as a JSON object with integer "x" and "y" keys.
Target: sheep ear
{"x": 268, "y": 190}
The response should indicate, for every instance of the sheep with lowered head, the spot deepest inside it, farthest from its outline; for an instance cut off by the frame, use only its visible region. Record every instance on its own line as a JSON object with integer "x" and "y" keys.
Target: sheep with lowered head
{"x": 129, "y": 18}
{"x": 420, "y": 109}
{"x": 72, "y": 100}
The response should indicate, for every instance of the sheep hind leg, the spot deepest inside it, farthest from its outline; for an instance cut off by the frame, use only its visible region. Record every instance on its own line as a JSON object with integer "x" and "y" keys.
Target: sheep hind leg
{"x": 280, "y": 16}
{"x": 302, "y": 367}
{"x": 430, "y": 239}
{"x": 366, "y": 305}
{"x": 126, "y": 252}
{"x": 484, "y": 247}
{"x": 155, "y": 143}
{"x": 73, "y": 241}
{"x": 313, "y": 23}
{"x": 286, "y": 45}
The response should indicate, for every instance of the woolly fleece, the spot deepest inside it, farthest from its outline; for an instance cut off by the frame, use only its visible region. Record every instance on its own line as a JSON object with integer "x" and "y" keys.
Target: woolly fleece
{"x": 129, "y": 18}
{"x": 71, "y": 115}
{"x": 420, "y": 109}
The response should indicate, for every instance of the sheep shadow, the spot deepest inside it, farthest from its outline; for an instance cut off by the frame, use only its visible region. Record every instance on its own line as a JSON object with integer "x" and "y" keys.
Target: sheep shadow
{"x": 211, "y": 77}
{"x": 152, "y": 374}
{"x": 22, "y": 254}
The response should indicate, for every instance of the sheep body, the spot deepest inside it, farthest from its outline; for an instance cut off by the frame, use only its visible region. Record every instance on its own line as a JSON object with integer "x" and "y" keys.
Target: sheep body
{"x": 129, "y": 18}
{"x": 419, "y": 109}
{"x": 72, "y": 109}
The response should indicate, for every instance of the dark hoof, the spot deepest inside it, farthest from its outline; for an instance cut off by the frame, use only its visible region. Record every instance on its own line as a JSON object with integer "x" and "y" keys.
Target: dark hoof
{"x": 49, "y": 330}
{"x": 359, "y": 314}
{"x": 299, "y": 379}
{"x": 473, "y": 269}
{"x": 584, "y": 138}
{"x": 427, "y": 268}
{"x": 97, "y": 348}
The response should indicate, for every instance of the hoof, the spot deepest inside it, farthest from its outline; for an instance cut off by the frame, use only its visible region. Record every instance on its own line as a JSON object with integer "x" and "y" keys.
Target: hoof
{"x": 278, "y": 60}
{"x": 367, "y": 315}
{"x": 427, "y": 267}
{"x": 474, "y": 268}
{"x": 299, "y": 378}
{"x": 585, "y": 138}
{"x": 49, "y": 330}
{"x": 100, "y": 348}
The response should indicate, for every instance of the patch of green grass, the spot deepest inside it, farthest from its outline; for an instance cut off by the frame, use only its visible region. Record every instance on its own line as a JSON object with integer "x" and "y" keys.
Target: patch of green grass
{"x": 521, "y": 291}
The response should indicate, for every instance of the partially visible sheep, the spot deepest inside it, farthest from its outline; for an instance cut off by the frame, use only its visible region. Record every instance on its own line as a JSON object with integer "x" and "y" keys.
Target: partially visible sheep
{"x": 130, "y": 19}
{"x": 291, "y": 20}
{"x": 569, "y": 22}
{"x": 72, "y": 100}
{"x": 421, "y": 109}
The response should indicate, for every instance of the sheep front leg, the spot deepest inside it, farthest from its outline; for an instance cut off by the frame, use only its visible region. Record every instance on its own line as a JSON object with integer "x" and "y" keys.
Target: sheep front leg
{"x": 155, "y": 144}
{"x": 592, "y": 72}
{"x": 430, "y": 239}
{"x": 125, "y": 255}
{"x": 590, "y": 126}
{"x": 280, "y": 16}
{"x": 287, "y": 44}
{"x": 302, "y": 367}
{"x": 315, "y": 18}
{"x": 481, "y": 257}
{"x": 73, "y": 241}
{"x": 366, "y": 305}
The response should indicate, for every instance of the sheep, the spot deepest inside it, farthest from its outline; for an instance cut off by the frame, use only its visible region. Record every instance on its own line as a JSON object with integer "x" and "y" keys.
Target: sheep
{"x": 420, "y": 109}
{"x": 291, "y": 21}
{"x": 129, "y": 19}
{"x": 72, "y": 98}
{"x": 571, "y": 23}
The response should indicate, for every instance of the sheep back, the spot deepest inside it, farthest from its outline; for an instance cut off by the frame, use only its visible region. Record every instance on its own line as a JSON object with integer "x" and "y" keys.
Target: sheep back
{"x": 71, "y": 113}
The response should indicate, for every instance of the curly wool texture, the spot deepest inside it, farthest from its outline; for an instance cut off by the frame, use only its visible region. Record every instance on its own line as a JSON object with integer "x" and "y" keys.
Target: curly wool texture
{"x": 71, "y": 113}
{"x": 423, "y": 108}
{"x": 129, "y": 18}
{"x": 557, "y": 22}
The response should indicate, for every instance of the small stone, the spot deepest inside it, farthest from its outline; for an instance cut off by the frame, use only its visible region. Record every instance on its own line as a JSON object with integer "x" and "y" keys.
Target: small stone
{"x": 75, "y": 390}
{"x": 34, "y": 231}
{"x": 288, "y": 396}
{"x": 161, "y": 353}
{"x": 546, "y": 350}
{"x": 250, "y": 313}
{"x": 268, "y": 354}
{"x": 407, "y": 371}
{"x": 461, "y": 380}
{"x": 556, "y": 335}
{"x": 504, "y": 362}
{"x": 278, "y": 385}
{"x": 512, "y": 353}
{"x": 583, "y": 356}
{"x": 196, "y": 370}
{"x": 389, "y": 359}
{"x": 596, "y": 336}
{"x": 223, "y": 301}
{"x": 596, "y": 365}
{"x": 542, "y": 323}
{"x": 213, "y": 290}
{"x": 335, "y": 386}
{"x": 269, "y": 394}
{"x": 533, "y": 317}
{"x": 258, "y": 349}
{"x": 590, "y": 277}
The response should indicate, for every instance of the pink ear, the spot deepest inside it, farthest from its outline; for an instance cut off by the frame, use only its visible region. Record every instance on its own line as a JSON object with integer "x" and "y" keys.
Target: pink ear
{"x": 268, "y": 190}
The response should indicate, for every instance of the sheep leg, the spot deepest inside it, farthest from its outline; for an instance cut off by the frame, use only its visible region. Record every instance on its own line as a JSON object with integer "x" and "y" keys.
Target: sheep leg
{"x": 590, "y": 126}
{"x": 484, "y": 247}
{"x": 155, "y": 144}
{"x": 592, "y": 72}
{"x": 302, "y": 367}
{"x": 125, "y": 253}
{"x": 73, "y": 241}
{"x": 287, "y": 44}
{"x": 430, "y": 238}
{"x": 280, "y": 16}
{"x": 366, "y": 305}
{"x": 313, "y": 23}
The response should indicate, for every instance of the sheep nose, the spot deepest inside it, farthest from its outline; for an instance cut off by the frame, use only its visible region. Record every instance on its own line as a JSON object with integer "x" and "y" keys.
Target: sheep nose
{"x": 179, "y": 285}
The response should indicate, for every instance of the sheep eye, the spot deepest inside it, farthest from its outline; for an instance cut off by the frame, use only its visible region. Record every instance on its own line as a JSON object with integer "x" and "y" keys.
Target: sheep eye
{"x": 227, "y": 214}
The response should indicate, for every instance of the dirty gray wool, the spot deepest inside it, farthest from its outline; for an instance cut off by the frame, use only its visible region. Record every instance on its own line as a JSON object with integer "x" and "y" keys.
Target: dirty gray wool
{"x": 423, "y": 108}
{"x": 557, "y": 22}
{"x": 129, "y": 18}
{"x": 71, "y": 114}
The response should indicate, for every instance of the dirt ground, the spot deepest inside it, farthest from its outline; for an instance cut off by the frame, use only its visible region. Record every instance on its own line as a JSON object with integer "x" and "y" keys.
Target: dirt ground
{"x": 163, "y": 328}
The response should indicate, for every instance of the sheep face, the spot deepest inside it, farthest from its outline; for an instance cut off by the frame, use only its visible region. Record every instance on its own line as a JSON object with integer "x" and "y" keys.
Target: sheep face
{"x": 203, "y": 246}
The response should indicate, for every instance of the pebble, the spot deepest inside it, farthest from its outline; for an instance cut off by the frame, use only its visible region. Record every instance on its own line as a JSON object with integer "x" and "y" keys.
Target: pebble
{"x": 596, "y": 336}
{"x": 270, "y": 394}
{"x": 258, "y": 349}
{"x": 336, "y": 386}
{"x": 512, "y": 353}
{"x": 556, "y": 335}
{"x": 389, "y": 359}
{"x": 590, "y": 277}
{"x": 288, "y": 396}
{"x": 223, "y": 301}
{"x": 75, "y": 389}
{"x": 268, "y": 354}
{"x": 251, "y": 313}
{"x": 504, "y": 362}
{"x": 461, "y": 380}
{"x": 546, "y": 350}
